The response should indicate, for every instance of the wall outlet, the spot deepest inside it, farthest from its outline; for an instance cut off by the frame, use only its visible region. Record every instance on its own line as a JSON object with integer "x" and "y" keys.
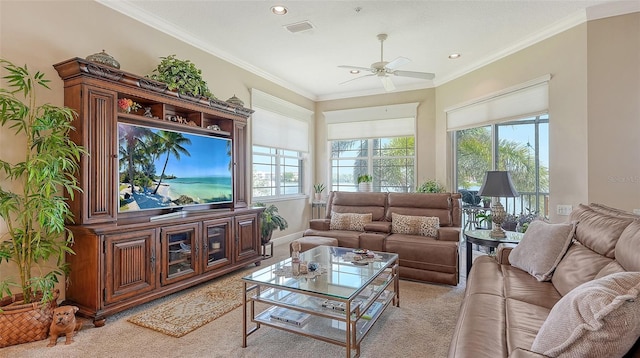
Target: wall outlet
{"x": 636, "y": 211}
{"x": 564, "y": 209}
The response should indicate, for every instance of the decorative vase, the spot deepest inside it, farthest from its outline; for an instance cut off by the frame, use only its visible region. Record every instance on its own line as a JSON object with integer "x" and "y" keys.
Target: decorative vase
{"x": 25, "y": 322}
{"x": 266, "y": 239}
{"x": 365, "y": 187}
{"x": 317, "y": 196}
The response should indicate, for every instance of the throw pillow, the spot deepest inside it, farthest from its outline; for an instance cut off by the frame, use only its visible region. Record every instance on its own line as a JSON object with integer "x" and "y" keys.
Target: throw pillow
{"x": 349, "y": 221}
{"x": 415, "y": 225}
{"x": 600, "y": 318}
{"x": 542, "y": 248}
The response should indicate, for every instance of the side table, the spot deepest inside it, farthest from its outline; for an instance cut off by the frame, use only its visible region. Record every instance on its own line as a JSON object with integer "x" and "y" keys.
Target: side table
{"x": 318, "y": 206}
{"x": 483, "y": 238}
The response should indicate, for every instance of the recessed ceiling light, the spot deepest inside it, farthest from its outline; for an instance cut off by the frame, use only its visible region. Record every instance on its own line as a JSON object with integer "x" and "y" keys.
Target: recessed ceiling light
{"x": 354, "y": 72}
{"x": 279, "y": 10}
{"x": 453, "y": 56}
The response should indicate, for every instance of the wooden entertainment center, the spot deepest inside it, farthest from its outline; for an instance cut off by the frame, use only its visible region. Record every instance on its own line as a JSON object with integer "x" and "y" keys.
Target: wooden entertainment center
{"x": 123, "y": 259}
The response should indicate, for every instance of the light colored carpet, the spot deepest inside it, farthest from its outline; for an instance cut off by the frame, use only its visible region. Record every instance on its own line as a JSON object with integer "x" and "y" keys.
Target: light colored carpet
{"x": 195, "y": 309}
{"x": 421, "y": 327}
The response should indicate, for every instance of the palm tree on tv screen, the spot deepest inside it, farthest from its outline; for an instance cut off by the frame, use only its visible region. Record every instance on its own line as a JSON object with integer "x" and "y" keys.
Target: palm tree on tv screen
{"x": 132, "y": 140}
{"x": 172, "y": 144}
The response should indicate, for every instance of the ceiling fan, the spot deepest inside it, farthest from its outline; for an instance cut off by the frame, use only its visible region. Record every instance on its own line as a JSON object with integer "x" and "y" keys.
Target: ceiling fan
{"x": 383, "y": 69}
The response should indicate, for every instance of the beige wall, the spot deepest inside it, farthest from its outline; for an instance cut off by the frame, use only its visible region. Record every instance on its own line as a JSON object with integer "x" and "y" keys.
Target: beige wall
{"x": 593, "y": 109}
{"x": 613, "y": 58}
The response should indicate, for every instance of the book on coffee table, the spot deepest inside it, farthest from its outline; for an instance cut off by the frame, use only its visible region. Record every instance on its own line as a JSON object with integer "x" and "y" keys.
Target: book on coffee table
{"x": 289, "y": 316}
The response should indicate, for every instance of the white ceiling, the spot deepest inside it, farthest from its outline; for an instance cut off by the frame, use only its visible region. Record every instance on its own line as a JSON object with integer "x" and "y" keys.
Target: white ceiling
{"x": 247, "y": 34}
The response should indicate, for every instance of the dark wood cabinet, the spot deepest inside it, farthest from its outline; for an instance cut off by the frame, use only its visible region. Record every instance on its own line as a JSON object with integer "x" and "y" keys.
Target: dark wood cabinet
{"x": 130, "y": 264}
{"x": 127, "y": 257}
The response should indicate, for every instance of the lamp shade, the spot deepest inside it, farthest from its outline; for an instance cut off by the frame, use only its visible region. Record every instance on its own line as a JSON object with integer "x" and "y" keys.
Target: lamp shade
{"x": 498, "y": 183}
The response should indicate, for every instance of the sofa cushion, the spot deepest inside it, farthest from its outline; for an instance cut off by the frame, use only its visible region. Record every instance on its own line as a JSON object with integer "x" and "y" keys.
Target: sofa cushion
{"x": 414, "y": 225}
{"x": 542, "y": 248}
{"x": 578, "y": 266}
{"x": 597, "y": 319}
{"x": 627, "y": 247}
{"x": 601, "y": 208}
{"x": 598, "y": 231}
{"x": 349, "y": 221}
{"x": 415, "y": 204}
{"x": 361, "y": 203}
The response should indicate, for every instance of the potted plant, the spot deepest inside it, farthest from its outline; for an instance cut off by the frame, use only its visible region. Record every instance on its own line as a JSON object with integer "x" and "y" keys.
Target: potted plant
{"x": 270, "y": 220}
{"x": 430, "y": 186}
{"x": 317, "y": 190}
{"x": 365, "y": 183}
{"x": 486, "y": 202}
{"x": 484, "y": 220}
{"x": 32, "y": 204}
{"x": 182, "y": 76}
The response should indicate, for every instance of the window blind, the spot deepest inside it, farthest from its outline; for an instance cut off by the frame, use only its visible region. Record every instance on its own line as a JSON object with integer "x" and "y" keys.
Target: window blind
{"x": 527, "y": 99}
{"x": 372, "y": 122}
{"x": 279, "y": 124}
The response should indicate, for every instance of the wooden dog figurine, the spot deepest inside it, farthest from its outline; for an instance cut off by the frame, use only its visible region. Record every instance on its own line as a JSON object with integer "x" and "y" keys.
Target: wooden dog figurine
{"x": 64, "y": 323}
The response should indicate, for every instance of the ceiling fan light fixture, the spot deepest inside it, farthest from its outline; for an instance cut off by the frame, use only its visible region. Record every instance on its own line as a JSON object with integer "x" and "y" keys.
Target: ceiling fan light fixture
{"x": 354, "y": 72}
{"x": 453, "y": 56}
{"x": 279, "y": 10}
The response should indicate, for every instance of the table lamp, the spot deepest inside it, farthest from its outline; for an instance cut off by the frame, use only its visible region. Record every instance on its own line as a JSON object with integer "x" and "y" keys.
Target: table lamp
{"x": 497, "y": 183}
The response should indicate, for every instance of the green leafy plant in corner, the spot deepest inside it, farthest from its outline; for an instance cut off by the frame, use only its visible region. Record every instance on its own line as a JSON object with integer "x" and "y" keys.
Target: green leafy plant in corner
{"x": 182, "y": 76}
{"x": 430, "y": 186}
{"x": 270, "y": 220}
{"x": 365, "y": 178}
{"x": 318, "y": 188}
{"x": 36, "y": 210}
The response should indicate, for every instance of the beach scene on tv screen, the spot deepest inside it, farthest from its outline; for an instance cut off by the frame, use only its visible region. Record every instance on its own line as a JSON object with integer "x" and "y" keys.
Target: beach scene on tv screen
{"x": 163, "y": 169}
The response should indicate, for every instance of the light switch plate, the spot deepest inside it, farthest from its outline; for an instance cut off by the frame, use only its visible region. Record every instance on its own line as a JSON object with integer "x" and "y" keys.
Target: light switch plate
{"x": 564, "y": 209}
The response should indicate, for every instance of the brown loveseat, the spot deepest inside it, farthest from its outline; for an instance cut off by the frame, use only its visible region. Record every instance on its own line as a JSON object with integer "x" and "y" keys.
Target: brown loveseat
{"x": 422, "y": 258}
{"x": 505, "y": 307}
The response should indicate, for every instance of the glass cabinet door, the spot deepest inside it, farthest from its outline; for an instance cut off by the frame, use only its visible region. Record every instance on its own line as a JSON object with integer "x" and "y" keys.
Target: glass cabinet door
{"x": 217, "y": 236}
{"x": 179, "y": 245}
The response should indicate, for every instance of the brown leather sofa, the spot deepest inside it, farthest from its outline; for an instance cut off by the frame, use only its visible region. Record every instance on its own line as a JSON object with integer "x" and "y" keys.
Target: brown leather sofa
{"x": 422, "y": 258}
{"x": 504, "y": 307}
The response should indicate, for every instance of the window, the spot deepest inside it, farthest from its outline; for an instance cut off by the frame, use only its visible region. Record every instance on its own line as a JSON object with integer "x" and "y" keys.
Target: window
{"x": 521, "y": 147}
{"x": 276, "y": 172}
{"x": 391, "y": 162}
{"x": 280, "y": 136}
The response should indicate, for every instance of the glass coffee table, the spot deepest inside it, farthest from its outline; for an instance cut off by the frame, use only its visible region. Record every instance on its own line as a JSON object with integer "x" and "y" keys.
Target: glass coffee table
{"x": 338, "y": 302}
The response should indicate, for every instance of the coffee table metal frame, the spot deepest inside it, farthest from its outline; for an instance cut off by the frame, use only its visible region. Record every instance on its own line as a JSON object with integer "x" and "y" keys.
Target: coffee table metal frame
{"x": 483, "y": 238}
{"x": 364, "y": 290}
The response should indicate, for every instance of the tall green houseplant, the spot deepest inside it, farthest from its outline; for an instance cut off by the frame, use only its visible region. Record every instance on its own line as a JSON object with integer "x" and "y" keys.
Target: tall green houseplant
{"x": 32, "y": 201}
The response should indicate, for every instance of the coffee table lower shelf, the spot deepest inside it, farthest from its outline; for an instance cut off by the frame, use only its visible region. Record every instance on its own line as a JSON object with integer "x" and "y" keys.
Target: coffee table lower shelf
{"x": 307, "y": 313}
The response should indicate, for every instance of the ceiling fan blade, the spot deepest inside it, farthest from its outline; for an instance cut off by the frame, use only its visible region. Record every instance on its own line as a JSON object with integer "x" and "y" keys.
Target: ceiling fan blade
{"x": 400, "y": 61}
{"x": 357, "y": 78}
{"x": 422, "y": 75}
{"x": 355, "y": 68}
{"x": 387, "y": 83}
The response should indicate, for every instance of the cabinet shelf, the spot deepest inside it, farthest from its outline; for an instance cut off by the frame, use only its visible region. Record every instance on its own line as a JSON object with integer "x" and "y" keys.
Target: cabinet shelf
{"x": 164, "y": 124}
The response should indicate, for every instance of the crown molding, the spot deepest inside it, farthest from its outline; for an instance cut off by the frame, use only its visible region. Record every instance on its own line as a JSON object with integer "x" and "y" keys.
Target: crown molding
{"x": 128, "y": 9}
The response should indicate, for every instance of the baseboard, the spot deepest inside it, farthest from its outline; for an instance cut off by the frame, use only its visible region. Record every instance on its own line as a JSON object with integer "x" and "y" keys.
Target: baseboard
{"x": 285, "y": 240}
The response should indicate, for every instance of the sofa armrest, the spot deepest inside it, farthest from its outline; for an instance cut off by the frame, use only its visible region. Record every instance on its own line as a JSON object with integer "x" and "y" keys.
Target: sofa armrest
{"x": 320, "y": 224}
{"x": 502, "y": 254}
{"x": 523, "y": 353}
{"x": 449, "y": 234}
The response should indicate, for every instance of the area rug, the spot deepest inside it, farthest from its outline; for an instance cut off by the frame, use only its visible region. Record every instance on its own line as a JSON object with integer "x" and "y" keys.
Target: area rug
{"x": 195, "y": 309}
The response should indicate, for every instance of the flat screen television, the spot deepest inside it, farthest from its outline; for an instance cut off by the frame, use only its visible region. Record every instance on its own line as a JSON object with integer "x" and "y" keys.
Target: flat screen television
{"x": 167, "y": 169}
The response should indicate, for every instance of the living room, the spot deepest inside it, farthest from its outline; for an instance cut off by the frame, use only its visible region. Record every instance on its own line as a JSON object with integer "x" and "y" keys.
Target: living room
{"x": 594, "y": 133}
